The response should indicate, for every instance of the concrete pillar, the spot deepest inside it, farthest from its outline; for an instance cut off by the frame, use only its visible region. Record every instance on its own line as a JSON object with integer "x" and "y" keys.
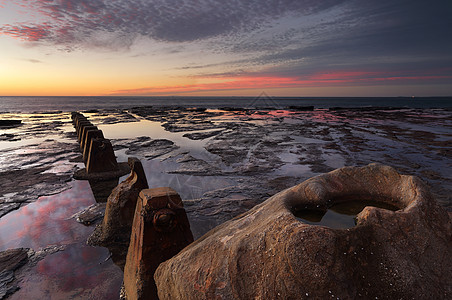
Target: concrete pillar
{"x": 114, "y": 232}
{"x": 83, "y": 136}
{"x": 79, "y": 118}
{"x": 80, "y": 126}
{"x": 74, "y": 116}
{"x": 101, "y": 157}
{"x": 90, "y": 134}
{"x": 160, "y": 230}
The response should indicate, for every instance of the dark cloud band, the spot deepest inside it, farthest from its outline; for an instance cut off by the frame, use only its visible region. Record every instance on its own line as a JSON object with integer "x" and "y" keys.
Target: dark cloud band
{"x": 167, "y": 20}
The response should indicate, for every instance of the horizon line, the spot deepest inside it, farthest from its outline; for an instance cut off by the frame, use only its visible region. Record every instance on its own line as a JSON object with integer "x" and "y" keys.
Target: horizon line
{"x": 182, "y": 96}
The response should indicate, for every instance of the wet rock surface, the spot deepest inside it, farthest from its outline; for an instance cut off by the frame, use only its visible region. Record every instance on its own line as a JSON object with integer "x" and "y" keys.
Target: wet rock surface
{"x": 15, "y": 262}
{"x": 36, "y": 160}
{"x": 10, "y": 261}
{"x": 255, "y": 146}
{"x": 91, "y": 215}
{"x": 267, "y": 253}
{"x": 247, "y": 146}
{"x": 149, "y": 148}
{"x": 223, "y": 162}
{"x": 26, "y": 185}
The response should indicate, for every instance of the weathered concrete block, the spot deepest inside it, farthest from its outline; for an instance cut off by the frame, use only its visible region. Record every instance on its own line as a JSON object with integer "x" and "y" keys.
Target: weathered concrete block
{"x": 160, "y": 230}
{"x": 267, "y": 253}
{"x": 75, "y": 115}
{"x": 79, "y": 119}
{"x": 114, "y": 232}
{"x": 79, "y": 129}
{"x": 83, "y": 136}
{"x": 101, "y": 157}
{"x": 90, "y": 134}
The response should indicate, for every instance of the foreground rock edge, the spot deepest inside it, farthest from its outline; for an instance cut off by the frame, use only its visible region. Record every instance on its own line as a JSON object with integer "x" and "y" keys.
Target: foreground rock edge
{"x": 267, "y": 253}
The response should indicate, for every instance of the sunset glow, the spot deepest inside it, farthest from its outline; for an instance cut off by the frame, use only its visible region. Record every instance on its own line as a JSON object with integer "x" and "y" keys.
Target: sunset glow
{"x": 209, "y": 47}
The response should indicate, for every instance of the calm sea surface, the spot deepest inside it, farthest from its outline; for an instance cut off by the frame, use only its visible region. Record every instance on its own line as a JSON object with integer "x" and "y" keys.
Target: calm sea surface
{"x": 43, "y": 104}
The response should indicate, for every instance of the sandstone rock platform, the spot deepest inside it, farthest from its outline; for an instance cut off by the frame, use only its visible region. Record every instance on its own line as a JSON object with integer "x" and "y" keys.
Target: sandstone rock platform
{"x": 267, "y": 253}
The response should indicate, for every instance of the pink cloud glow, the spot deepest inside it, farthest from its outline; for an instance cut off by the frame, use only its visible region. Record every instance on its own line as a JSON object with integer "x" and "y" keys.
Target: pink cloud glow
{"x": 27, "y": 33}
{"x": 321, "y": 79}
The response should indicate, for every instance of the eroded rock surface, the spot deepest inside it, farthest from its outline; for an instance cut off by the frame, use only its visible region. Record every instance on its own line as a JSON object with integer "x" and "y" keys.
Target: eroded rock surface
{"x": 91, "y": 215}
{"x": 150, "y": 148}
{"x": 267, "y": 253}
{"x": 10, "y": 261}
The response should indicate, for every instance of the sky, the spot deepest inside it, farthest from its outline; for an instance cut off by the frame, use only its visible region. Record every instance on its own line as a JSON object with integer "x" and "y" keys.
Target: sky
{"x": 300, "y": 48}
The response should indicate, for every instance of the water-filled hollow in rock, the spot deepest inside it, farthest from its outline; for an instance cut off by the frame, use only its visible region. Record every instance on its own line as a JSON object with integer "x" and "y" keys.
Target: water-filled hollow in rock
{"x": 340, "y": 215}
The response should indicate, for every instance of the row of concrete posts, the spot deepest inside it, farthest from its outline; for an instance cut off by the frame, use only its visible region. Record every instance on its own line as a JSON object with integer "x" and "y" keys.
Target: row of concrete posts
{"x": 142, "y": 227}
{"x": 98, "y": 153}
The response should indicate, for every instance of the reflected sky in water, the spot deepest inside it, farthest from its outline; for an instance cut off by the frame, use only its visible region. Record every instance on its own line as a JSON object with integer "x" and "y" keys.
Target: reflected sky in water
{"x": 47, "y": 221}
{"x": 78, "y": 272}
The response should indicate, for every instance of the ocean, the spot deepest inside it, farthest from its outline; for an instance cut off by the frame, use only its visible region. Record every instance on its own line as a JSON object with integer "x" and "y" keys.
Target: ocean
{"x": 66, "y": 104}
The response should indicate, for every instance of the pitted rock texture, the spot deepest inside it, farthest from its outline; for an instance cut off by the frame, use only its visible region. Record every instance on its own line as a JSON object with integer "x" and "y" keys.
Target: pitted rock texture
{"x": 267, "y": 253}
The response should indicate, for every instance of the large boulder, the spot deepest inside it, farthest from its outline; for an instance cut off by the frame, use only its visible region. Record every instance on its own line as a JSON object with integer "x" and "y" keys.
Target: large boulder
{"x": 268, "y": 253}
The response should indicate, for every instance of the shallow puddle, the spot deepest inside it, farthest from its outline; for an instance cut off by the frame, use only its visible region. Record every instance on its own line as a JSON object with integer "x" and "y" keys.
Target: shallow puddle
{"x": 77, "y": 272}
{"x": 339, "y": 216}
{"x": 47, "y": 221}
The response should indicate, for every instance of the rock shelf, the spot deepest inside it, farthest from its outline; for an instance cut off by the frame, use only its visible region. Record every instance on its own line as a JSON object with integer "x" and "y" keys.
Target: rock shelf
{"x": 267, "y": 253}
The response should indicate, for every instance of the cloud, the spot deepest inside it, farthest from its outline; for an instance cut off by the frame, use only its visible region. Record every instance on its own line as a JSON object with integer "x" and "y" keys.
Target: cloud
{"x": 324, "y": 78}
{"x": 98, "y": 22}
{"x": 34, "y": 61}
{"x": 406, "y": 40}
{"x": 280, "y": 29}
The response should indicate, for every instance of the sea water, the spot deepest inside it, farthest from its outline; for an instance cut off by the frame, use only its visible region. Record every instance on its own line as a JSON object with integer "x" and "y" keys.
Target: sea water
{"x": 66, "y": 104}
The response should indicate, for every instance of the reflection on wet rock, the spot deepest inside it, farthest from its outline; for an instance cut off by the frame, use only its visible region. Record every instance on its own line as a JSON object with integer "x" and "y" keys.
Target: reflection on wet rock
{"x": 33, "y": 183}
{"x": 102, "y": 188}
